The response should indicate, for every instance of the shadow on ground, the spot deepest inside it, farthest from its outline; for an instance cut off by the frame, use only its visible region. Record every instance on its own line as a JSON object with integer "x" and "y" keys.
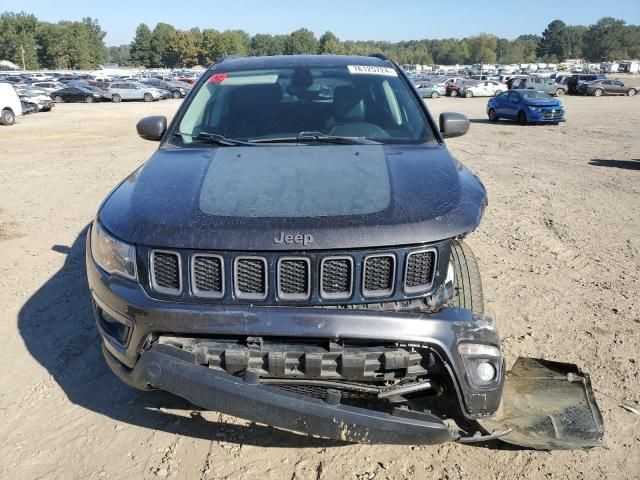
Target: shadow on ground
{"x": 58, "y": 329}
{"x": 625, "y": 164}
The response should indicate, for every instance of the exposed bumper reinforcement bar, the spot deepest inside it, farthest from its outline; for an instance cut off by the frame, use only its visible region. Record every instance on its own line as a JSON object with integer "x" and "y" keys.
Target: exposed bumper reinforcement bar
{"x": 269, "y": 405}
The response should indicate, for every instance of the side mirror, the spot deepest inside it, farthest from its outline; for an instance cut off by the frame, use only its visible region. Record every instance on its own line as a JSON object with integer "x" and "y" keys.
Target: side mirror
{"x": 152, "y": 128}
{"x": 453, "y": 124}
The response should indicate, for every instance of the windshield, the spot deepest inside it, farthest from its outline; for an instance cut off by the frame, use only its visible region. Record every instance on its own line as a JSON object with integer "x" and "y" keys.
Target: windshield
{"x": 344, "y": 101}
{"x": 535, "y": 95}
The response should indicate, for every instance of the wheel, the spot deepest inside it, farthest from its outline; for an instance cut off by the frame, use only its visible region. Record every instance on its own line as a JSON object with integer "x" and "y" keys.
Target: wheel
{"x": 7, "y": 117}
{"x": 468, "y": 94}
{"x": 598, "y": 92}
{"x": 559, "y": 92}
{"x": 493, "y": 116}
{"x": 36, "y": 108}
{"x": 89, "y": 99}
{"x": 467, "y": 281}
{"x": 522, "y": 118}
{"x": 148, "y": 97}
{"x": 175, "y": 94}
{"x": 454, "y": 93}
{"x": 435, "y": 95}
{"x": 497, "y": 92}
{"x": 58, "y": 99}
{"x": 115, "y": 98}
{"x": 631, "y": 92}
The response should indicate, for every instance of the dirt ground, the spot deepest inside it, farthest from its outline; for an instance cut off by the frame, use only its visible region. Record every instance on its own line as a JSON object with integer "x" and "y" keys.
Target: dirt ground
{"x": 559, "y": 249}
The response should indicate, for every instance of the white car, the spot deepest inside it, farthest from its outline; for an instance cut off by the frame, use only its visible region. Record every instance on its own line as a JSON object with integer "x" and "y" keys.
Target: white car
{"x": 10, "y": 106}
{"x": 41, "y": 101}
{"x": 119, "y": 91}
{"x": 49, "y": 87}
{"x": 488, "y": 88}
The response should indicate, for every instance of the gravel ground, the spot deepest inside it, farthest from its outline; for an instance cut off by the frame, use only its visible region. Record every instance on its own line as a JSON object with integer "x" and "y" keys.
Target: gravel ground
{"x": 559, "y": 251}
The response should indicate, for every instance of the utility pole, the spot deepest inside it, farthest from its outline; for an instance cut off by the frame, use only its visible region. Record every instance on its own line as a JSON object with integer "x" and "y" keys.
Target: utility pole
{"x": 23, "y": 65}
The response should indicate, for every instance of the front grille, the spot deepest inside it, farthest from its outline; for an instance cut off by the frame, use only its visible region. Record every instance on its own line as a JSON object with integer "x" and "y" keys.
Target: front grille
{"x": 336, "y": 277}
{"x": 357, "y": 278}
{"x": 418, "y": 275}
{"x": 549, "y": 114}
{"x": 294, "y": 278}
{"x": 379, "y": 275}
{"x": 207, "y": 273}
{"x": 250, "y": 276}
{"x": 165, "y": 272}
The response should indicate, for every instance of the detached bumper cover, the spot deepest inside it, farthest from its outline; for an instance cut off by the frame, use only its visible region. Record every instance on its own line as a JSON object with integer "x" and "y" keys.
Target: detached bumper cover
{"x": 264, "y": 404}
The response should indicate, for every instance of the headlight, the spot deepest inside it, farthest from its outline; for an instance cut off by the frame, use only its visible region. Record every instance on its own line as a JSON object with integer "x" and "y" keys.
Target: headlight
{"x": 535, "y": 109}
{"x": 112, "y": 255}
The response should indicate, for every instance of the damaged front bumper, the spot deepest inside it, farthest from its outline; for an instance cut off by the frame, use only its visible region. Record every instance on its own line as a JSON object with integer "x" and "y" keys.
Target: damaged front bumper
{"x": 132, "y": 326}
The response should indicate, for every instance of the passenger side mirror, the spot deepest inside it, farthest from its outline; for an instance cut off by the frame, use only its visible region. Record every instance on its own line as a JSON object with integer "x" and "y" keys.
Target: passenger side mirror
{"x": 453, "y": 124}
{"x": 152, "y": 128}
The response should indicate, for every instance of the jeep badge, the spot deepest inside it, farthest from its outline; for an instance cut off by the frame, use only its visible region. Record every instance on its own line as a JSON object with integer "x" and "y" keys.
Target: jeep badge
{"x": 297, "y": 238}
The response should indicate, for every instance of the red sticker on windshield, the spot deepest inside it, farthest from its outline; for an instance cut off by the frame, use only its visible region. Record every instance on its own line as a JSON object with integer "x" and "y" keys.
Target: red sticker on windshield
{"x": 218, "y": 77}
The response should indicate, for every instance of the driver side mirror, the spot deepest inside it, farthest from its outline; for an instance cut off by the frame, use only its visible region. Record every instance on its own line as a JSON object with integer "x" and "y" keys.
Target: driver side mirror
{"x": 152, "y": 128}
{"x": 453, "y": 124}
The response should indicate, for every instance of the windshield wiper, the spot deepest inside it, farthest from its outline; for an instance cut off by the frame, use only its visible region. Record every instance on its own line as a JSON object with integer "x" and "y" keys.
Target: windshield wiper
{"x": 215, "y": 138}
{"x": 318, "y": 137}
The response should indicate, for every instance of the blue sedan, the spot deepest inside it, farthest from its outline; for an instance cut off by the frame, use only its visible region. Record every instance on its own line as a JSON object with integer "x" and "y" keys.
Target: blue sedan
{"x": 526, "y": 106}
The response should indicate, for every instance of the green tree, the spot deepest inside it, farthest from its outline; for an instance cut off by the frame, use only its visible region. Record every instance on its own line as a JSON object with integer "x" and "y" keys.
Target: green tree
{"x": 575, "y": 38}
{"x": 95, "y": 40}
{"x": 18, "y": 39}
{"x": 53, "y": 42}
{"x": 300, "y": 42}
{"x": 120, "y": 55}
{"x": 141, "y": 46}
{"x": 263, "y": 44}
{"x": 555, "y": 42}
{"x": 605, "y": 40}
{"x": 482, "y": 48}
{"x": 181, "y": 50}
{"x": 329, "y": 43}
{"x": 159, "y": 40}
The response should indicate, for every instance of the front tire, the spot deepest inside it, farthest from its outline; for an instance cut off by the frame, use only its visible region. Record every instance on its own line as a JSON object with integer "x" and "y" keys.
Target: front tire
{"x": 58, "y": 99}
{"x": 493, "y": 116}
{"x": 559, "y": 92}
{"x": 467, "y": 280}
{"x": 7, "y": 117}
{"x": 454, "y": 93}
{"x": 116, "y": 98}
{"x": 468, "y": 94}
{"x": 148, "y": 97}
{"x": 631, "y": 92}
{"x": 522, "y": 118}
{"x": 598, "y": 92}
{"x": 176, "y": 95}
{"x": 435, "y": 95}
{"x": 89, "y": 99}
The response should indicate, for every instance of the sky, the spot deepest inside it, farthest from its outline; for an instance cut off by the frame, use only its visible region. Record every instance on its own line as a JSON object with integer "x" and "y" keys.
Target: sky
{"x": 348, "y": 19}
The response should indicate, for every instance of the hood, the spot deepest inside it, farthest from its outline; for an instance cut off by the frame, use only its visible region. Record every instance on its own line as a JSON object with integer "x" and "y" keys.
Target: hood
{"x": 551, "y": 102}
{"x": 246, "y": 198}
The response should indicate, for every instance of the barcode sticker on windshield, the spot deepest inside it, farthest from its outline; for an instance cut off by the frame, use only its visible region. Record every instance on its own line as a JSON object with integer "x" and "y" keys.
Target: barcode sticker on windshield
{"x": 372, "y": 70}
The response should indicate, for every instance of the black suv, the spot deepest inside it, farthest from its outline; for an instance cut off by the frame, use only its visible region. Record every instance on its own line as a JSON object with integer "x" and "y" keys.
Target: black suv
{"x": 575, "y": 81}
{"x": 292, "y": 254}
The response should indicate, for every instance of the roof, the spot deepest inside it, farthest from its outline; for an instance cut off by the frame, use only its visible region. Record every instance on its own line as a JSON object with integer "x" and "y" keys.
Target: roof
{"x": 293, "y": 61}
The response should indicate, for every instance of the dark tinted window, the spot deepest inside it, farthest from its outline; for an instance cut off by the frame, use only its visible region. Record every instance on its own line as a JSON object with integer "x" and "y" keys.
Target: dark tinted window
{"x": 354, "y": 101}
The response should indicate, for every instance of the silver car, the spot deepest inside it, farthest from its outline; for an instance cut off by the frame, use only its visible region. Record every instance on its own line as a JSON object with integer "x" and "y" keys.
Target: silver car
{"x": 119, "y": 91}
{"x": 430, "y": 90}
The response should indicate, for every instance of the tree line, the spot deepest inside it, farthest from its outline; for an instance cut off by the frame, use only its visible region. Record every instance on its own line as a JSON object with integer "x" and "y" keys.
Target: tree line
{"x": 80, "y": 45}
